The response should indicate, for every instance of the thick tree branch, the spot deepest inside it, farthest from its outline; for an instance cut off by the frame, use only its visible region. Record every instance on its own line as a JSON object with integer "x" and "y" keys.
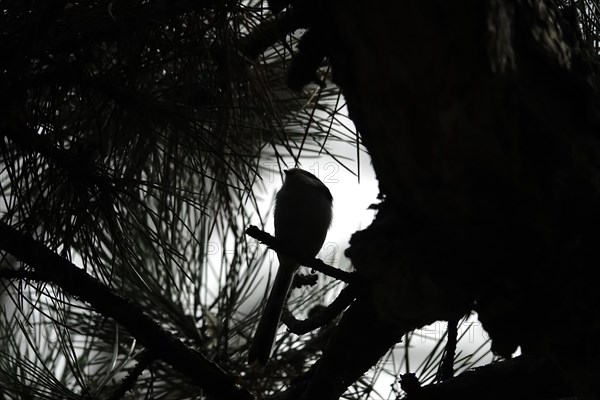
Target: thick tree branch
{"x": 269, "y": 32}
{"x": 446, "y": 369}
{"x": 161, "y": 344}
{"x": 518, "y": 378}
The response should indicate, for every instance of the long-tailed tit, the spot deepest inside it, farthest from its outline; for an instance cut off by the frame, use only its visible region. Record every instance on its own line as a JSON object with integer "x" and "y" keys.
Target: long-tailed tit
{"x": 302, "y": 218}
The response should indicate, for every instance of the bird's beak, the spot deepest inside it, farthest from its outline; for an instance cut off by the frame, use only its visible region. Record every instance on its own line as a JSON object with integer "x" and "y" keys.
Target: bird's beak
{"x": 285, "y": 171}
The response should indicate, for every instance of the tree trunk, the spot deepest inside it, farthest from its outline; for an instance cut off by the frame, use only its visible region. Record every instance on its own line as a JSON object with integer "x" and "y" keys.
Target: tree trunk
{"x": 481, "y": 118}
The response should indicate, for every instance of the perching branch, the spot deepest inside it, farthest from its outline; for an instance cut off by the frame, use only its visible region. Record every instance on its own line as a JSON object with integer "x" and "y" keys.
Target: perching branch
{"x": 74, "y": 281}
{"x": 313, "y": 263}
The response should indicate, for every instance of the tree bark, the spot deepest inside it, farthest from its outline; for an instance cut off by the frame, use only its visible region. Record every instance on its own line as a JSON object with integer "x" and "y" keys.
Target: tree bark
{"x": 482, "y": 121}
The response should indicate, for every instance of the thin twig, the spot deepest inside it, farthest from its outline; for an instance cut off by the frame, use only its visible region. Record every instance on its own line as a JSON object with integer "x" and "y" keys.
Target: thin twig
{"x": 313, "y": 263}
{"x": 145, "y": 359}
{"x": 300, "y": 327}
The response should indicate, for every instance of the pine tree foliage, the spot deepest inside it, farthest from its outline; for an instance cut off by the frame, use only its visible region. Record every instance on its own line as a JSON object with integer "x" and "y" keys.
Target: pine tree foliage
{"x": 132, "y": 134}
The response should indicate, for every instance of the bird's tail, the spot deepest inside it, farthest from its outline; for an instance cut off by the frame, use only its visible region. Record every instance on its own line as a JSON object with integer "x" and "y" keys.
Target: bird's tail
{"x": 262, "y": 343}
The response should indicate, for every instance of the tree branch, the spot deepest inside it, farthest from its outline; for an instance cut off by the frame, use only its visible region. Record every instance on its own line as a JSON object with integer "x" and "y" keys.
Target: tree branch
{"x": 520, "y": 378}
{"x": 446, "y": 369}
{"x": 161, "y": 343}
{"x": 321, "y": 318}
{"x": 144, "y": 360}
{"x": 313, "y": 263}
{"x": 269, "y": 32}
